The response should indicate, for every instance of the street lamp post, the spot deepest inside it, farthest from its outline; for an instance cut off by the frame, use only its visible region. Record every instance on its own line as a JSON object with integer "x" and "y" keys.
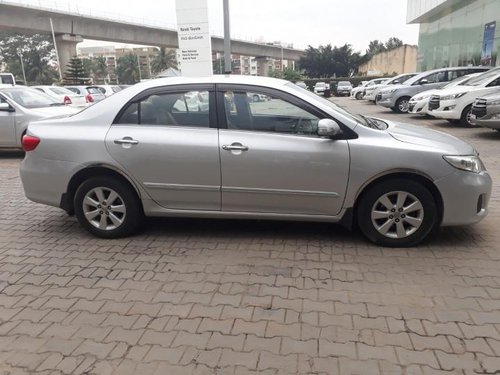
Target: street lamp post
{"x": 227, "y": 39}
{"x": 20, "y": 54}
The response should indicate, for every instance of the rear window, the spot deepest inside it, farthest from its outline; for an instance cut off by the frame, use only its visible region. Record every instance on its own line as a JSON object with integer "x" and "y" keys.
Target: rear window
{"x": 94, "y": 90}
{"x": 6, "y": 79}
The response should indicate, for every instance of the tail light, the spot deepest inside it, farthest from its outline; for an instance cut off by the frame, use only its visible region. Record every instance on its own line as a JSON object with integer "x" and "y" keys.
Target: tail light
{"x": 89, "y": 99}
{"x": 67, "y": 100}
{"x": 30, "y": 142}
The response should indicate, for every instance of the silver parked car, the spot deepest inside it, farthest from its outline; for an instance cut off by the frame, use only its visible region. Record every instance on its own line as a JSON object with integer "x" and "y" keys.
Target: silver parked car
{"x": 486, "y": 111}
{"x": 298, "y": 156}
{"x": 19, "y": 105}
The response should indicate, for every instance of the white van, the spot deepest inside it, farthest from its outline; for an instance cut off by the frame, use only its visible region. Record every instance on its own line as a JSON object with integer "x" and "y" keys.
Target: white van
{"x": 7, "y": 79}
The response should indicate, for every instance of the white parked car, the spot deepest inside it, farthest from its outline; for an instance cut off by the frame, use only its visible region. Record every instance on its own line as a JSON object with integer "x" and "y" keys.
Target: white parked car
{"x": 419, "y": 104}
{"x": 320, "y": 87}
{"x": 92, "y": 93}
{"x": 455, "y": 104}
{"x": 63, "y": 95}
{"x": 358, "y": 92}
{"x": 371, "y": 92}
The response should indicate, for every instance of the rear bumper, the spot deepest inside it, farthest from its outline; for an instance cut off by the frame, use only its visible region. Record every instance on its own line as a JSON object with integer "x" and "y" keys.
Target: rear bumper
{"x": 465, "y": 197}
{"x": 45, "y": 181}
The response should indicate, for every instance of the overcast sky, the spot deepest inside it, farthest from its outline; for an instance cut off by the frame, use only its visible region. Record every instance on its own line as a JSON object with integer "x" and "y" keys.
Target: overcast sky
{"x": 301, "y": 22}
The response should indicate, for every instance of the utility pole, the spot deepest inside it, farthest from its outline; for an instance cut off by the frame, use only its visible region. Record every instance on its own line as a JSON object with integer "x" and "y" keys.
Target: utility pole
{"x": 20, "y": 54}
{"x": 55, "y": 47}
{"x": 227, "y": 39}
{"x": 139, "y": 66}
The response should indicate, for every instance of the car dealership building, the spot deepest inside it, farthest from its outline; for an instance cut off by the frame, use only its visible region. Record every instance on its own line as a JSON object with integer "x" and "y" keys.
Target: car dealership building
{"x": 456, "y": 32}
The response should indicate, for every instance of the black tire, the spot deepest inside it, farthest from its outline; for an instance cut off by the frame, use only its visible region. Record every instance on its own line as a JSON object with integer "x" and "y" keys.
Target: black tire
{"x": 368, "y": 201}
{"x": 399, "y": 108}
{"x": 256, "y": 98}
{"x": 359, "y": 96}
{"x": 132, "y": 217}
{"x": 465, "y": 117}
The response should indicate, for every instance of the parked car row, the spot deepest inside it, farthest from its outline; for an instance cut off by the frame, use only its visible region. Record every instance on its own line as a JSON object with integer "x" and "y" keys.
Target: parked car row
{"x": 469, "y": 95}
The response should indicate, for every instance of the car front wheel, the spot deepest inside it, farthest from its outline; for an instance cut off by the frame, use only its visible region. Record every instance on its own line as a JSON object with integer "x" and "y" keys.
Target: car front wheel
{"x": 107, "y": 207}
{"x": 402, "y": 105}
{"x": 465, "y": 119}
{"x": 397, "y": 213}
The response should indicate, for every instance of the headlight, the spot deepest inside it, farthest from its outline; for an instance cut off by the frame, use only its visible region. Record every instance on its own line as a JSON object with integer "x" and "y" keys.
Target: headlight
{"x": 493, "y": 102}
{"x": 469, "y": 163}
{"x": 417, "y": 98}
{"x": 454, "y": 96}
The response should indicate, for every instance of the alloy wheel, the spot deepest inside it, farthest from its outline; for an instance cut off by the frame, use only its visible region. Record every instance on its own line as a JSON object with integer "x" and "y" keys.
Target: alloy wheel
{"x": 397, "y": 214}
{"x": 104, "y": 208}
{"x": 403, "y": 106}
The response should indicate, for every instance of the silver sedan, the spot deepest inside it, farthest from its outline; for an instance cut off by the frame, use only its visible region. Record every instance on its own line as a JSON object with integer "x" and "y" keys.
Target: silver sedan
{"x": 147, "y": 151}
{"x": 19, "y": 105}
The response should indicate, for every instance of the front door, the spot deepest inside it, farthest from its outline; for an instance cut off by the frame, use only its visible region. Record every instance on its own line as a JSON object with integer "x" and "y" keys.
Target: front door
{"x": 7, "y": 127}
{"x": 165, "y": 142}
{"x": 272, "y": 160}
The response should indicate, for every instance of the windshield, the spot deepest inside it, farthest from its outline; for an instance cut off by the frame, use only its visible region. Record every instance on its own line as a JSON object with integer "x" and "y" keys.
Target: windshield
{"x": 96, "y": 90}
{"x": 401, "y": 79}
{"x": 481, "y": 79}
{"x": 365, "y": 121}
{"x": 460, "y": 81}
{"x": 344, "y": 83}
{"x": 30, "y": 98}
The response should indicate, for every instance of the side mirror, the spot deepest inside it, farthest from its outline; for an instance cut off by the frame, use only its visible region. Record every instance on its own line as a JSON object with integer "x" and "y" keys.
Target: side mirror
{"x": 6, "y": 107}
{"x": 424, "y": 81}
{"x": 328, "y": 128}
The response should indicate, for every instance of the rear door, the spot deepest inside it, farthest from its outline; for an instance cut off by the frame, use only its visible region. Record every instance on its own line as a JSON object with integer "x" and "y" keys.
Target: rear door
{"x": 272, "y": 160}
{"x": 170, "y": 146}
{"x": 7, "y": 127}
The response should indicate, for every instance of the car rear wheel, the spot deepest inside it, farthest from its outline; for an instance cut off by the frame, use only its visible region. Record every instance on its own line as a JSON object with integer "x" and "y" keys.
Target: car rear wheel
{"x": 465, "y": 119}
{"x": 402, "y": 105}
{"x": 359, "y": 95}
{"x": 256, "y": 98}
{"x": 397, "y": 213}
{"x": 107, "y": 208}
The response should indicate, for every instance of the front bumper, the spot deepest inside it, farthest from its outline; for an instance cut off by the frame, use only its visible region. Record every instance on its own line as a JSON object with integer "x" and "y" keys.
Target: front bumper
{"x": 387, "y": 101}
{"x": 447, "y": 110}
{"x": 370, "y": 96}
{"x": 418, "y": 107}
{"x": 487, "y": 123}
{"x": 465, "y": 197}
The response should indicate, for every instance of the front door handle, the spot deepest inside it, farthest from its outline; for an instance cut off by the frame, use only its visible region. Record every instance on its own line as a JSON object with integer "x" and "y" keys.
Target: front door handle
{"x": 126, "y": 141}
{"x": 235, "y": 147}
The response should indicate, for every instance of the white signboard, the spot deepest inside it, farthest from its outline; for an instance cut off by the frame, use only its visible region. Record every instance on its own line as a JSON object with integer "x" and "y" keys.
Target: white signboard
{"x": 195, "y": 45}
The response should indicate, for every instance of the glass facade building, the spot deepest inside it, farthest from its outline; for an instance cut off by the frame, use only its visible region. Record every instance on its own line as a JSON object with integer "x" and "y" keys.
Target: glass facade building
{"x": 456, "y": 32}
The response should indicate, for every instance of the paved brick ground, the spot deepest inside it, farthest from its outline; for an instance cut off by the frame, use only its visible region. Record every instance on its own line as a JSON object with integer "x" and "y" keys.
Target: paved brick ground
{"x": 240, "y": 297}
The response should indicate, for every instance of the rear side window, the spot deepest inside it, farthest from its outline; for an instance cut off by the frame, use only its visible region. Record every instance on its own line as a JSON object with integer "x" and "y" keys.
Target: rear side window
{"x": 74, "y": 89}
{"x": 190, "y": 109}
{"x": 94, "y": 90}
{"x": 6, "y": 79}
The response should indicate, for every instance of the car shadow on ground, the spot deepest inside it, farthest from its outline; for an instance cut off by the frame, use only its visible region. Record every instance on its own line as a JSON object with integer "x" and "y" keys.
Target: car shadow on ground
{"x": 489, "y": 134}
{"x": 11, "y": 154}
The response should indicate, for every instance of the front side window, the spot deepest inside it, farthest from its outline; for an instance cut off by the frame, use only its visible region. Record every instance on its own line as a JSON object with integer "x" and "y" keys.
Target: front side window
{"x": 256, "y": 111}
{"x": 30, "y": 98}
{"x": 189, "y": 109}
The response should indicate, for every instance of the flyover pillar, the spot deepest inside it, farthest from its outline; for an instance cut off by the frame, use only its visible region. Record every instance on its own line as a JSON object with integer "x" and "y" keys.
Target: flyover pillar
{"x": 66, "y": 48}
{"x": 262, "y": 66}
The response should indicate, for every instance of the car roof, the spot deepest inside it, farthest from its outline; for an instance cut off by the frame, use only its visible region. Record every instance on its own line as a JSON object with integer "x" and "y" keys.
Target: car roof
{"x": 221, "y": 79}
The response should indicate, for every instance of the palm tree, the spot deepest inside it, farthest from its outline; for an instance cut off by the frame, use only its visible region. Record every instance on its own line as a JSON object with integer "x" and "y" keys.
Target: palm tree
{"x": 127, "y": 69}
{"x": 164, "y": 60}
{"x": 100, "y": 68}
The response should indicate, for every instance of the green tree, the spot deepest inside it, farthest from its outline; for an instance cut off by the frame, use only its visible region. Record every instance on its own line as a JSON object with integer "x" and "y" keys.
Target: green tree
{"x": 75, "y": 73}
{"x": 164, "y": 60}
{"x": 374, "y": 47}
{"x": 99, "y": 69}
{"x": 393, "y": 43}
{"x": 37, "y": 53}
{"x": 327, "y": 61}
{"x": 288, "y": 73}
{"x": 127, "y": 69}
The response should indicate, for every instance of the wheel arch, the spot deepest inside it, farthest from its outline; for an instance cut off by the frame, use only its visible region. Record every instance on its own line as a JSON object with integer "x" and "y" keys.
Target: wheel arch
{"x": 94, "y": 171}
{"x": 415, "y": 176}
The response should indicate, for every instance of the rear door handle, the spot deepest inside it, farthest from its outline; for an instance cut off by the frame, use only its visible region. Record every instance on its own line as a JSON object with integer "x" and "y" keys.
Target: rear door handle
{"x": 126, "y": 141}
{"x": 235, "y": 147}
